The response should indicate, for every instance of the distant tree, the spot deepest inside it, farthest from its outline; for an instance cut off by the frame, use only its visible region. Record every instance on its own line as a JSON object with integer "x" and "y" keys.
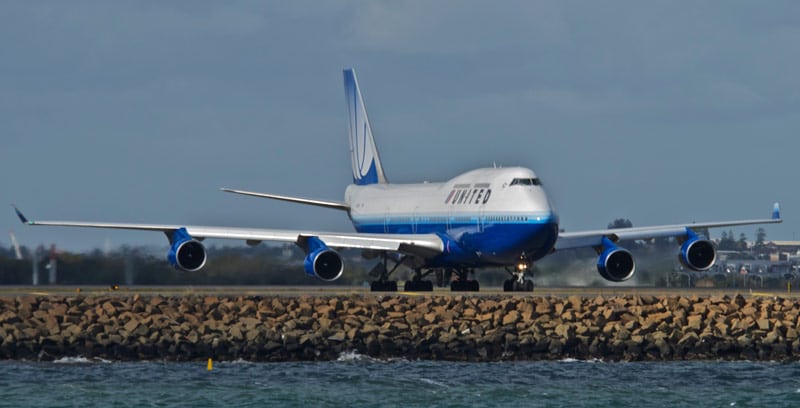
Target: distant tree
{"x": 726, "y": 242}
{"x": 620, "y": 223}
{"x": 761, "y": 237}
{"x": 741, "y": 244}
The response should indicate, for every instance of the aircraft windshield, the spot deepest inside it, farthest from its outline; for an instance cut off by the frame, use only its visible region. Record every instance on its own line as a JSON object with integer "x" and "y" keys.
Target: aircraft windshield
{"x": 526, "y": 182}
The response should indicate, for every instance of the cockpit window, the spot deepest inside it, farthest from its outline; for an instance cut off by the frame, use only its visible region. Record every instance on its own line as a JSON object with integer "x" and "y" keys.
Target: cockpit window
{"x": 526, "y": 182}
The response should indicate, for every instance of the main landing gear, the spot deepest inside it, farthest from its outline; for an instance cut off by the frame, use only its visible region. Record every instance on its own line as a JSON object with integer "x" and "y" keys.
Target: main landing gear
{"x": 418, "y": 285}
{"x": 463, "y": 283}
{"x": 518, "y": 282}
{"x": 381, "y": 271}
{"x": 383, "y": 284}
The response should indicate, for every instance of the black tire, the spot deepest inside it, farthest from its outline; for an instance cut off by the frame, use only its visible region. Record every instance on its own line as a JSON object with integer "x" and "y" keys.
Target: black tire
{"x": 529, "y": 286}
{"x": 473, "y": 286}
{"x": 388, "y": 286}
{"x": 508, "y": 285}
{"x": 418, "y": 286}
{"x": 465, "y": 286}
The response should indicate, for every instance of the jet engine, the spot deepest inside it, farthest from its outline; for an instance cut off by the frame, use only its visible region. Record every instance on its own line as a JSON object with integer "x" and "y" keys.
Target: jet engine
{"x": 697, "y": 254}
{"x": 186, "y": 253}
{"x": 615, "y": 264}
{"x": 322, "y": 262}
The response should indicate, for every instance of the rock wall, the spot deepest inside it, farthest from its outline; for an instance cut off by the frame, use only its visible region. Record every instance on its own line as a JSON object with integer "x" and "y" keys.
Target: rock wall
{"x": 463, "y": 328}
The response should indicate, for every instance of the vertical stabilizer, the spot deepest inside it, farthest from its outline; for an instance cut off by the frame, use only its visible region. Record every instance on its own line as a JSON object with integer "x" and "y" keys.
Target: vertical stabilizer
{"x": 367, "y": 167}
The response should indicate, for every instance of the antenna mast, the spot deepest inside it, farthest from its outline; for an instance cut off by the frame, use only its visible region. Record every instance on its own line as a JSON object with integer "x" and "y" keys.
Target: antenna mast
{"x": 15, "y": 244}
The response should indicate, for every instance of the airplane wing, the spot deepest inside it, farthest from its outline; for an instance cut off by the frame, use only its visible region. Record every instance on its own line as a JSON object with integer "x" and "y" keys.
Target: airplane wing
{"x": 581, "y": 239}
{"x": 414, "y": 244}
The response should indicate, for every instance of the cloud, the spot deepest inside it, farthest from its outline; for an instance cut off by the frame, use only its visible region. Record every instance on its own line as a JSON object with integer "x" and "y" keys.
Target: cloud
{"x": 454, "y": 27}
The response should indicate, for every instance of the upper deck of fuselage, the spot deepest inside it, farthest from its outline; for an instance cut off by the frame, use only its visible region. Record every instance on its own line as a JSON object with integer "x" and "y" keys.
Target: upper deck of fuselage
{"x": 488, "y": 191}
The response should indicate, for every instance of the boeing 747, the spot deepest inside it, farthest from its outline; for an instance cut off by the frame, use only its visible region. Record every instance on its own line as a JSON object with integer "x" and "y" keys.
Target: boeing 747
{"x": 488, "y": 217}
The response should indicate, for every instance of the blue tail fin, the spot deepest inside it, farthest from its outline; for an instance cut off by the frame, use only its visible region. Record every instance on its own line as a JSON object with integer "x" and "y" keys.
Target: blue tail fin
{"x": 367, "y": 167}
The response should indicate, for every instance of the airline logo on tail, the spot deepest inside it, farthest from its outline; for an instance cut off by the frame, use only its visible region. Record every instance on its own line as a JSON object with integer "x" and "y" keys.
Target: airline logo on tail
{"x": 364, "y": 154}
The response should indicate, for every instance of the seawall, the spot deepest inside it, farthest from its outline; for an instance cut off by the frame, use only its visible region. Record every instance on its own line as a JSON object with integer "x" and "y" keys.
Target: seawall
{"x": 459, "y": 327}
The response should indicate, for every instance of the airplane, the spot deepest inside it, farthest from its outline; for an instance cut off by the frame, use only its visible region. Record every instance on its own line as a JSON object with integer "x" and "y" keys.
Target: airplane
{"x": 487, "y": 217}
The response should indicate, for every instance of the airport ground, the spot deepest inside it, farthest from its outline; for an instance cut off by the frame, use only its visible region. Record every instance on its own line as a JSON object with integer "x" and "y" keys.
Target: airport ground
{"x": 279, "y": 290}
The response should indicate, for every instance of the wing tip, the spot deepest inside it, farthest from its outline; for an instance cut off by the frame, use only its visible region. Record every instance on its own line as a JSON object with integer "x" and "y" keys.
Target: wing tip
{"x": 21, "y": 216}
{"x": 776, "y": 211}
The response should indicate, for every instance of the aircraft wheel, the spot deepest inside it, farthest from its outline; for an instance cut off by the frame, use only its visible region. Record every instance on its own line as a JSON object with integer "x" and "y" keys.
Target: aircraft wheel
{"x": 386, "y": 286}
{"x": 508, "y": 285}
{"x": 474, "y": 286}
{"x": 410, "y": 286}
{"x": 465, "y": 286}
{"x": 418, "y": 286}
{"x": 529, "y": 286}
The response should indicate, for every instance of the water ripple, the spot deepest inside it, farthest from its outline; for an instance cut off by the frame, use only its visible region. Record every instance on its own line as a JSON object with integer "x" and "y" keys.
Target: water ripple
{"x": 363, "y": 381}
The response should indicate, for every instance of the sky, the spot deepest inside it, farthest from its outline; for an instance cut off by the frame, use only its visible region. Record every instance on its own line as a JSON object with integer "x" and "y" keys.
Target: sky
{"x": 133, "y": 111}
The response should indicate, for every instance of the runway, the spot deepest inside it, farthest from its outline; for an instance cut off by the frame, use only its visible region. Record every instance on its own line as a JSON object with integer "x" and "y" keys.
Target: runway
{"x": 296, "y": 291}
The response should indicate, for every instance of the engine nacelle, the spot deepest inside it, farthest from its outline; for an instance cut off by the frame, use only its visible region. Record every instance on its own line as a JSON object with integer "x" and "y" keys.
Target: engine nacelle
{"x": 322, "y": 262}
{"x": 186, "y": 253}
{"x": 615, "y": 264}
{"x": 697, "y": 254}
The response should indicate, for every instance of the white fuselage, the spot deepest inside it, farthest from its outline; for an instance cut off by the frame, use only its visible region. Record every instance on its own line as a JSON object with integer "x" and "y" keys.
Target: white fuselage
{"x": 487, "y": 216}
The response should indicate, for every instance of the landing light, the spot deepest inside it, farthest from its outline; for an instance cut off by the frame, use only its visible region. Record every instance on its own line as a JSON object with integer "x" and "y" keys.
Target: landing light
{"x": 522, "y": 266}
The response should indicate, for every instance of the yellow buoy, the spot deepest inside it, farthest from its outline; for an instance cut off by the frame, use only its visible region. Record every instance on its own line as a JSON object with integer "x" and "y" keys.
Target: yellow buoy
{"x": 210, "y": 365}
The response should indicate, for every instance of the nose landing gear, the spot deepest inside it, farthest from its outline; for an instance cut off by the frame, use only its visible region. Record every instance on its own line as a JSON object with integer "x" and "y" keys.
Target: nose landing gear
{"x": 518, "y": 282}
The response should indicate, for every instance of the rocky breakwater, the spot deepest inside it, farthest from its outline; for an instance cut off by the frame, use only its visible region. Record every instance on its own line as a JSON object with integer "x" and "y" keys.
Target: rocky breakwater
{"x": 469, "y": 328}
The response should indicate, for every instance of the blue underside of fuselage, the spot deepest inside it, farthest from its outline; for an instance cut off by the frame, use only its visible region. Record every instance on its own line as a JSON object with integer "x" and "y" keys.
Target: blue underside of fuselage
{"x": 477, "y": 244}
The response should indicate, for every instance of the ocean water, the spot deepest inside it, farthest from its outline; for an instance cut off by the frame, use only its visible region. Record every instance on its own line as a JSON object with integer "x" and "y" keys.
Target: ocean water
{"x": 359, "y": 381}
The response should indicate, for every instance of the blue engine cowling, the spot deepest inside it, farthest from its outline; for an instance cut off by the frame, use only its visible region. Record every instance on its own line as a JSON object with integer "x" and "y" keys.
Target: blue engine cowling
{"x": 697, "y": 254}
{"x": 185, "y": 252}
{"x": 321, "y": 261}
{"x": 615, "y": 264}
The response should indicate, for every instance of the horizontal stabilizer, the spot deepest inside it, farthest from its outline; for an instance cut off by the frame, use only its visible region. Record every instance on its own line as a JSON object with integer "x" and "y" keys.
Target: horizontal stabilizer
{"x": 337, "y": 205}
